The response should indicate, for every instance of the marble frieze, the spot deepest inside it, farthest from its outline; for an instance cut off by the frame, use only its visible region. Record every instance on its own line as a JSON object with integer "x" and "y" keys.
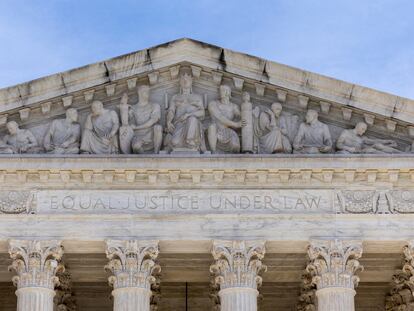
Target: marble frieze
{"x": 208, "y": 201}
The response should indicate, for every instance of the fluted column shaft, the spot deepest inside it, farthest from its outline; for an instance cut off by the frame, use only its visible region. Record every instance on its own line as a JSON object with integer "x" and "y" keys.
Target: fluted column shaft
{"x": 238, "y": 298}
{"x": 132, "y": 264}
{"x": 131, "y": 299}
{"x": 334, "y": 264}
{"x": 336, "y": 299}
{"x": 36, "y": 264}
{"x": 237, "y": 267}
{"x": 35, "y": 299}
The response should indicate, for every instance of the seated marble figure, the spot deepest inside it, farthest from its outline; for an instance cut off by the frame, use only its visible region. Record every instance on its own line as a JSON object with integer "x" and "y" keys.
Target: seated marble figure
{"x": 63, "y": 135}
{"x": 313, "y": 136}
{"x": 140, "y": 131}
{"x": 100, "y": 131}
{"x": 19, "y": 140}
{"x": 270, "y": 130}
{"x": 354, "y": 141}
{"x": 184, "y": 119}
{"x": 222, "y": 136}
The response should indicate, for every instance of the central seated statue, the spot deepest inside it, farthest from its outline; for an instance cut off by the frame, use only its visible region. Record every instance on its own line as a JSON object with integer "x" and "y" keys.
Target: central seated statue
{"x": 186, "y": 111}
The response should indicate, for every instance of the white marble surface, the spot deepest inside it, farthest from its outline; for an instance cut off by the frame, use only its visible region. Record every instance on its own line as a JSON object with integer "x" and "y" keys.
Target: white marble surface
{"x": 288, "y": 201}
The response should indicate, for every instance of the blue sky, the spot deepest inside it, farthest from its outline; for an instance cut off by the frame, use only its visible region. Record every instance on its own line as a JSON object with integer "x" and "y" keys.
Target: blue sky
{"x": 369, "y": 42}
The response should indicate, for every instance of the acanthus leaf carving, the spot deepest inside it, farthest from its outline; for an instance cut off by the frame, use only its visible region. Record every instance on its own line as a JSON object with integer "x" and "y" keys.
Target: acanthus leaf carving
{"x": 335, "y": 263}
{"x": 36, "y": 262}
{"x": 132, "y": 263}
{"x": 238, "y": 263}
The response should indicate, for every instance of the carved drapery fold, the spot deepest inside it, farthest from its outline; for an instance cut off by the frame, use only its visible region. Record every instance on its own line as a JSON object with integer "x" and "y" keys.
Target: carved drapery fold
{"x": 401, "y": 296}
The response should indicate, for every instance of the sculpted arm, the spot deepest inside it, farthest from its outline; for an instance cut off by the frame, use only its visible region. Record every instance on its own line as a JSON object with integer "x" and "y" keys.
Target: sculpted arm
{"x": 32, "y": 141}
{"x": 298, "y": 141}
{"x": 115, "y": 121}
{"x": 170, "y": 115}
{"x": 283, "y": 126}
{"x": 327, "y": 139}
{"x": 154, "y": 118}
{"x": 371, "y": 141}
{"x": 341, "y": 143}
{"x": 215, "y": 112}
{"x": 200, "y": 112}
{"x": 75, "y": 137}
{"x": 47, "y": 142}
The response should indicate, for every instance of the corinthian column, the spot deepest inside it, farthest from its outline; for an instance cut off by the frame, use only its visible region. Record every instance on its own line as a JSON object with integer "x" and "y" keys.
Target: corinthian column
{"x": 237, "y": 267}
{"x": 333, "y": 264}
{"x": 132, "y": 264}
{"x": 36, "y": 264}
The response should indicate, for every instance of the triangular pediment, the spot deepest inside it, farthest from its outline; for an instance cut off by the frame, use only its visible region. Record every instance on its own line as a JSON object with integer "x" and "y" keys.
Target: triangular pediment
{"x": 33, "y": 105}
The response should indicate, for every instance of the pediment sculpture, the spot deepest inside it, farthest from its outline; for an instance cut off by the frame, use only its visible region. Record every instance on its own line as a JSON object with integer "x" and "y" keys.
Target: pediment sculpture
{"x": 140, "y": 131}
{"x": 184, "y": 119}
{"x": 100, "y": 130}
{"x": 188, "y": 123}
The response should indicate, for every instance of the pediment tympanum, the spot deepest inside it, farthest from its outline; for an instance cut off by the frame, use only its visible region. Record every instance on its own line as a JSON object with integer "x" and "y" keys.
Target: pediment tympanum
{"x": 189, "y": 97}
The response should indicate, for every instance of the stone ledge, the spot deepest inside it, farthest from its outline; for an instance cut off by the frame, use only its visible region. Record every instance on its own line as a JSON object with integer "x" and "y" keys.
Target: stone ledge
{"x": 208, "y": 56}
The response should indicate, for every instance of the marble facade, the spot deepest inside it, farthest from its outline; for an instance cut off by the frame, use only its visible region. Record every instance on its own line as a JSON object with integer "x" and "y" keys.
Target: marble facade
{"x": 191, "y": 177}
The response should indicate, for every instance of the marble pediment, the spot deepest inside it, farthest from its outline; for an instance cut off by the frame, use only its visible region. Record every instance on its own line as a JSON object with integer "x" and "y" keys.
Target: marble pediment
{"x": 340, "y": 106}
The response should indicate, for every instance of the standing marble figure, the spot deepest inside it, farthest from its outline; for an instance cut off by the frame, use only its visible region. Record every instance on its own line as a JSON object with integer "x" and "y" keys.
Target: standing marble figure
{"x": 63, "y": 135}
{"x": 101, "y": 127}
{"x": 142, "y": 118}
{"x": 221, "y": 134}
{"x": 247, "y": 131}
{"x": 313, "y": 136}
{"x": 186, "y": 111}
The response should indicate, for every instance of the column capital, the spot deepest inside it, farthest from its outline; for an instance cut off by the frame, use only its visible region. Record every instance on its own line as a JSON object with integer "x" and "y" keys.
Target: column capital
{"x": 334, "y": 263}
{"x": 132, "y": 263}
{"x": 35, "y": 262}
{"x": 238, "y": 263}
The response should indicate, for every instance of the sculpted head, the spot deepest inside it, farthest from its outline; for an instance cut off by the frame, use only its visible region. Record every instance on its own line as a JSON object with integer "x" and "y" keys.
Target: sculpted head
{"x": 143, "y": 93}
{"x": 97, "y": 108}
{"x": 72, "y": 114}
{"x": 277, "y": 109}
{"x": 246, "y": 96}
{"x": 311, "y": 116}
{"x": 361, "y": 128}
{"x": 12, "y": 127}
{"x": 225, "y": 91}
{"x": 186, "y": 81}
